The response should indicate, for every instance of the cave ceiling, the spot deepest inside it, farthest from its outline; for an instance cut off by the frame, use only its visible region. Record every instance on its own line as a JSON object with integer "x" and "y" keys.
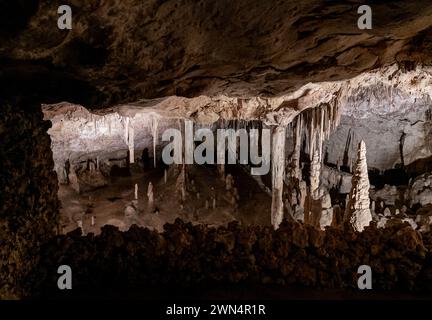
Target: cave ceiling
{"x": 121, "y": 51}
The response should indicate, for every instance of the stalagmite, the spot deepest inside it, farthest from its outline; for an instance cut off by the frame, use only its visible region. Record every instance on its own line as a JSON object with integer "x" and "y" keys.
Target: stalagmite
{"x": 278, "y": 173}
{"x": 80, "y": 226}
{"x": 154, "y": 129}
{"x": 150, "y": 196}
{"x": 136, "y": 191}
{"x": 315, "y": 175}
{"x": 214, "y": 203}
{"x": 206, "y": 204}
{"x": 358, "y": 211}
{"x": 387, "y": 212}
{"x": 229, "y": 182}
{"x": 93, "y": 220}
{"x": 165, "y": 176}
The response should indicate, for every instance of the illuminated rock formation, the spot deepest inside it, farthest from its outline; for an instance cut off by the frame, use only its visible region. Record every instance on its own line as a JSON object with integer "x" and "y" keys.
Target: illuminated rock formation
{"x": 358, "y": 212}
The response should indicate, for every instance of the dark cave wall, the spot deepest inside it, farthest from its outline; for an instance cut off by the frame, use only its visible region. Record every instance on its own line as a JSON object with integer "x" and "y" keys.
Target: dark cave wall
{"x": 185, "y": 255}
{"x": 28, "y": 201}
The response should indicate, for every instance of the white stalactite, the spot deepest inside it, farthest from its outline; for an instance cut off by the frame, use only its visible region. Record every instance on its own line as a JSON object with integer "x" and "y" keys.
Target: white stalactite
{"x": 131, "y": 142}
{"x": 321, "y": 133}
{"x": 154, "y": 129}
{"x": 297, "y": 147}
{"x": 278, "y": 173}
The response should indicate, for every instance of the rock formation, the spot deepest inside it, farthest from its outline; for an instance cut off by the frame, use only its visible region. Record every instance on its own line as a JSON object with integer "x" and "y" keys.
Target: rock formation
{"x": 358, "y": 210}
{"x": 278, "y": 173}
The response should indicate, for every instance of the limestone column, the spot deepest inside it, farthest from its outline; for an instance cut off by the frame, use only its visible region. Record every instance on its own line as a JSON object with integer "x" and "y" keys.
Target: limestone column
{"x": 278, "y": 173}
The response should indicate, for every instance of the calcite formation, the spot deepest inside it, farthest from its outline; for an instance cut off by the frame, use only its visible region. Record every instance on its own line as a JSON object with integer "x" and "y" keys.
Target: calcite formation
{"x": 420, "y": 190}
{"x": 358, "y": 210}
{"x": 278, "y": 173}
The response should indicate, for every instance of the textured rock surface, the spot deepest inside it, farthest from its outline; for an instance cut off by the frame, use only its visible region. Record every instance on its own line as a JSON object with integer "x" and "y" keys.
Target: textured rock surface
{"x": 125, "y": 50}
{"x": 392, "y": 115}
{"x": 389, "y": 194}
{"x": 420, "y": 190}
{"x": 185, "y": 255}
{"x": 28, "y": 202}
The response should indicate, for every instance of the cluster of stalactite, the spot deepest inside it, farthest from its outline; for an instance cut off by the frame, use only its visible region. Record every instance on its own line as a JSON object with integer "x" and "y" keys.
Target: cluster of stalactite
{"x": 307, "y": 134}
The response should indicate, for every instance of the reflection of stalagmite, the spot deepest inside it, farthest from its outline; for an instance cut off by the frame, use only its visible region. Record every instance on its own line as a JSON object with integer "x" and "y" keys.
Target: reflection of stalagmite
{"x": 315, "y": 175}
{"x": 278, "y": 172}
{"x": 358, "y": 210}
{"x": 150, "y": 195}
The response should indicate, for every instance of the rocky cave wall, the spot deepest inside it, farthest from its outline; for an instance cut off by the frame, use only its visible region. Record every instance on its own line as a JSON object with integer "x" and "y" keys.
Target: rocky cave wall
{"x": 126, "y": 50}
{"x": 28, "y": 204}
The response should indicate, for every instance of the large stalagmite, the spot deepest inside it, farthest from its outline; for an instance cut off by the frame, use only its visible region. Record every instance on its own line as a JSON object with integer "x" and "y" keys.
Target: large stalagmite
{"x": 278, "y": 172}
{"x": 358, "y": 209}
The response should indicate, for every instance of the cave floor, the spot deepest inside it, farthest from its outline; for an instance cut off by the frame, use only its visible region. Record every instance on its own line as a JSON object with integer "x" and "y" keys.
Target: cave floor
{"x": 107, "y": 204}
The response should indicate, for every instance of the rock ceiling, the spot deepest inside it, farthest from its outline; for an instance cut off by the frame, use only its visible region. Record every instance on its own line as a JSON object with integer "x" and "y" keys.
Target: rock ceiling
{"x": 122, "y": 51}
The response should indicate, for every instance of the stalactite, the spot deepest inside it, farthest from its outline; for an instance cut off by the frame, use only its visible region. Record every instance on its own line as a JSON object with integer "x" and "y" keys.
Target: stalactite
{"x": 299, "y": 129}
{"x": 126, "y": 127}
{"x": 131, "y": 143}
{"x": 278, "y": 172}
{"x": 154, "y": 130}
{"x": 188, "y": 142}
{"x": 321, "y": 133}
